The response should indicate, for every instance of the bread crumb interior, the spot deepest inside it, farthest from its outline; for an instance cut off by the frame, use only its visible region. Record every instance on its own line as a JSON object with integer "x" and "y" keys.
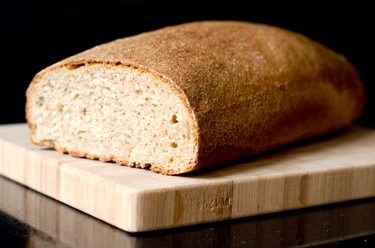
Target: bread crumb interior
{"x": 113, "y": 113}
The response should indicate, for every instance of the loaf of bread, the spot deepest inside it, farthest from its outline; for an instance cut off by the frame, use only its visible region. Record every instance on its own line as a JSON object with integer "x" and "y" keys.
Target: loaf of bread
{"x": 192, "y": 96}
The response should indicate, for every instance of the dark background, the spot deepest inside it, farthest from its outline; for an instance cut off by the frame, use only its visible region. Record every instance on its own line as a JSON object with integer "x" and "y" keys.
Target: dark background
{"x": 35, "y": 34}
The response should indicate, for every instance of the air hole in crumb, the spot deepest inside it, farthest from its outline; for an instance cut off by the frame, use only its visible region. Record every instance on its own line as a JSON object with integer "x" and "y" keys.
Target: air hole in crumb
{"x": 170, "y": 160}
{"x": 174, "y": 119}
{"x": 75, "y": 96}
{"x": 40, "y": 101}
{"x": 84, "y": 111}
{"x": 73, "y": 67}
{"x": 138, "y": 91}
{"x": 147, "y": 99}
{"x": 174, "y": 145}
{"x": 60, "y": 108}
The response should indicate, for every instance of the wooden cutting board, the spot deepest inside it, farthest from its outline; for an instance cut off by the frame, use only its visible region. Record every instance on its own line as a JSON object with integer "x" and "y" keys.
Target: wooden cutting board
{"x": 337, "y": 168}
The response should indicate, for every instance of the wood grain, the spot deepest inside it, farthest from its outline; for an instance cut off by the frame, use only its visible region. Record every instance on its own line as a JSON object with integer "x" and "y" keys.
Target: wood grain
{"x": 334, "y": 169}
{"x": 58, "y": 225}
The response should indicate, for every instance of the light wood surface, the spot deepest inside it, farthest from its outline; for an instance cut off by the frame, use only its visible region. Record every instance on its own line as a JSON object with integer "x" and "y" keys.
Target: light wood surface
{"x": 338, "y": 168}
{"x": 57, "y": 225}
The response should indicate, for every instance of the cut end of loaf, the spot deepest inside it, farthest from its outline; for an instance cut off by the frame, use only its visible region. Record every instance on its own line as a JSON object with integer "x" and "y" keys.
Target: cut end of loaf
{"x": 113, "y": 113}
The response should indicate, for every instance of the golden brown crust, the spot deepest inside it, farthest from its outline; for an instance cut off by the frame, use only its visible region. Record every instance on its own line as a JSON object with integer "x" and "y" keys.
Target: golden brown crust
{"x": 250, "y": 87}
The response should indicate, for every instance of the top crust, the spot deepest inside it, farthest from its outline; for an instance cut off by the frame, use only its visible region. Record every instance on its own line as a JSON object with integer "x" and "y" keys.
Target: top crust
{"x": 249, "y": 87}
